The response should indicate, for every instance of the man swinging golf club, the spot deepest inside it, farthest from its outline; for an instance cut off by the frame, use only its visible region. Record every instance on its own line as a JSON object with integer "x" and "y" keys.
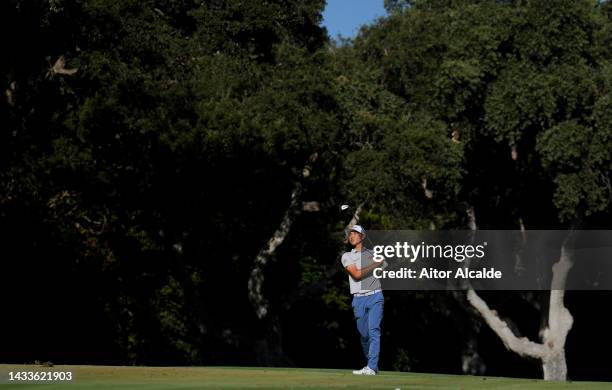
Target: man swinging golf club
{"x": 368, "y": 299}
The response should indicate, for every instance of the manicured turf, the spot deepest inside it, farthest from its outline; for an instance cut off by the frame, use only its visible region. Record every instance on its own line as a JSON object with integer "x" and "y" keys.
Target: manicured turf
{"x": 104, "y": 377}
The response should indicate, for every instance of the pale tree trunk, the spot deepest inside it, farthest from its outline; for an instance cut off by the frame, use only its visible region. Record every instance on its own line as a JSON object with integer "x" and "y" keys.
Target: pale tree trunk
{"x": 559, "y": 321}
{"x": 265, "y": 255}
{"x": 551, "y": 351}
{"x": 269, "y": 348}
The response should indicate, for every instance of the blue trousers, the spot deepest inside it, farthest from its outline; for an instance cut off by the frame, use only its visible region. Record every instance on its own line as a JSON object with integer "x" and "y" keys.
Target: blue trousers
{"x": 368, "y": 312}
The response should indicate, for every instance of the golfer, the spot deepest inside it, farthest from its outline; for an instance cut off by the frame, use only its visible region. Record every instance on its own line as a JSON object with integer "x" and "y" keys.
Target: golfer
{"x": 368, "y": 299}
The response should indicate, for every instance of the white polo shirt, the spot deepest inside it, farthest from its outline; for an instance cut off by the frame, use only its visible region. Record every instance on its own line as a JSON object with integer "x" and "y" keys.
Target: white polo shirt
{"x": 363, "y": 258}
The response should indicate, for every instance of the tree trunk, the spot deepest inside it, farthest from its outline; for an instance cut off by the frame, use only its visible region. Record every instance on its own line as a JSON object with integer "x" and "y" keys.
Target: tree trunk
{"x": 265, "y": 255}
{"x": 268, "y": 348}
{"x": 551, "y": 352}
{"x": 560, "y": 320}
{"x": 554, "y": 366}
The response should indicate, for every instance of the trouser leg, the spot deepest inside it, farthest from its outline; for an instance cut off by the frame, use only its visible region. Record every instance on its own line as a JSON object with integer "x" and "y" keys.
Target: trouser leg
{"x": 361, "y": 318}
{"x": 374, "y": 317}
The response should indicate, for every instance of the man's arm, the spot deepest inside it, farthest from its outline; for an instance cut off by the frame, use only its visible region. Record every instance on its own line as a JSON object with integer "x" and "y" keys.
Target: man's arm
{"x": 359, "y": 274}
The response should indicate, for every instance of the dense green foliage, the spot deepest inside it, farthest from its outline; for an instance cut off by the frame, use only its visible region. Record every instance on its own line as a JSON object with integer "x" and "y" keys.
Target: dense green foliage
{"x": 136, "y": 192}
{"x": 522, "y": 77}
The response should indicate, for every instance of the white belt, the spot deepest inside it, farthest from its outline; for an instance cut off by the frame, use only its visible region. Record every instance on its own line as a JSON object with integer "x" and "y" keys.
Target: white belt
{"x": 365, "y": 294}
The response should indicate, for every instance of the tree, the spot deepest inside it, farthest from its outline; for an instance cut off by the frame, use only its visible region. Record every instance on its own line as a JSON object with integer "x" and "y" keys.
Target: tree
{"x": 135, "y": 162}
{"x": 516, "y": 85}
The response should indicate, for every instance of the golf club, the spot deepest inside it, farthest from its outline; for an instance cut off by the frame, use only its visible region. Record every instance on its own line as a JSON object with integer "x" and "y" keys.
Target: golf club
{"x": 347, "y": 208}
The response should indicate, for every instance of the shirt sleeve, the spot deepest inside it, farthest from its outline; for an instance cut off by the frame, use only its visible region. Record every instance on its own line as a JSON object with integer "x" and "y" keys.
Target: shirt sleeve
{"x": 346, "y": 260}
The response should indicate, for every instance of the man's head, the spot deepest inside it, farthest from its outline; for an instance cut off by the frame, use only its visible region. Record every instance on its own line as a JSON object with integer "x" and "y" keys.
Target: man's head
{"x": 356, "y": 235}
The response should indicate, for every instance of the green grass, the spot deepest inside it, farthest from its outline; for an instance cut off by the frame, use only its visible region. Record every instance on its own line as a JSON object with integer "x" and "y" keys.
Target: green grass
{"x": 158, "y": 378}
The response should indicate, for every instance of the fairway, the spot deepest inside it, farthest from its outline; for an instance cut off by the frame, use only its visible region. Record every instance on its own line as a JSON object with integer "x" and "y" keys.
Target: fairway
{"x": 105, "y": 377}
